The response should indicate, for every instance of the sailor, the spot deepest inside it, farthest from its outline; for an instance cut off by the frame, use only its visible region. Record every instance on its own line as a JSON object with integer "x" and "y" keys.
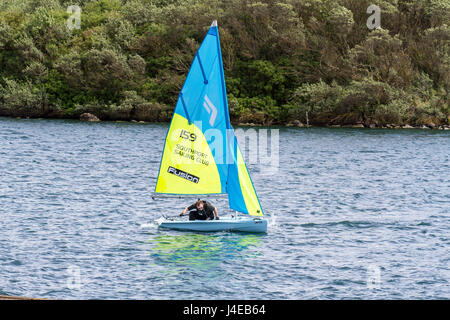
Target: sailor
{"x": 201, "y": 210}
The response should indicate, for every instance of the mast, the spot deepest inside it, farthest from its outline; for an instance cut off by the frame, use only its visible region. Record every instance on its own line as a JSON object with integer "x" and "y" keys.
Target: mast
{"x": 225, "y": 103}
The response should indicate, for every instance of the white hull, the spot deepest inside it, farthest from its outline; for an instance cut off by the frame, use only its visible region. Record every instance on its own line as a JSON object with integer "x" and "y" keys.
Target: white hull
{"x": 224, "y": 224}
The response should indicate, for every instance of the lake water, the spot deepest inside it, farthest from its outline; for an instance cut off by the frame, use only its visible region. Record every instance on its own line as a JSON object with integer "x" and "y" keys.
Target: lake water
{"x": 354, "y": 214}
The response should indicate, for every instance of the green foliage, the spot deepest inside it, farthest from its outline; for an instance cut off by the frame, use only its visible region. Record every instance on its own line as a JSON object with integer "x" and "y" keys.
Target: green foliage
{"x": 260, "y": 78}
{"x": 382, "y": 57}
{"x": 282, "y": 59}
{"x": 23, "y": 98}
{"x": 318, "y": 97}
{"x": 394, "y": 112}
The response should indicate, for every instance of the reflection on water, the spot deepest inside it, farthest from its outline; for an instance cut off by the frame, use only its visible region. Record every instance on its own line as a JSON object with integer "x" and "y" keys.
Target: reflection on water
{"x": 203, "y": 251}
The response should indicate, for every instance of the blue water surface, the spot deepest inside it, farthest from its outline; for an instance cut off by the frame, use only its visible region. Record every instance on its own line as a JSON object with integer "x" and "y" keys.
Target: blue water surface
{"x": 354, "y": 214}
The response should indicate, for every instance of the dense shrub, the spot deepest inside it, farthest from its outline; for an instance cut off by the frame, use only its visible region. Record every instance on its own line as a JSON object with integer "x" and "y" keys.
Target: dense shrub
{"x": 22, "y": 99}
{"x": 284, "y": 59}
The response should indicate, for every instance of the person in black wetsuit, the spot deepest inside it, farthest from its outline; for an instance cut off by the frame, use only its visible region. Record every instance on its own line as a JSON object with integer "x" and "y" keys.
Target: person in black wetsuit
{"x": 201, "y": 210}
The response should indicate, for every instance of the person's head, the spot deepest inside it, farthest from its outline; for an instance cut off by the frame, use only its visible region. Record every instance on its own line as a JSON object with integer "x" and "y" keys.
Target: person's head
{"x": 199, "y": 205}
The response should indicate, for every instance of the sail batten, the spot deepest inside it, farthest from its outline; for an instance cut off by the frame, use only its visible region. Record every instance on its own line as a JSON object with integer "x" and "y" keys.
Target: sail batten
{"x": 192, "y": 163}
{"x": 205, "y": 80}
{"x": 185, "y": 109}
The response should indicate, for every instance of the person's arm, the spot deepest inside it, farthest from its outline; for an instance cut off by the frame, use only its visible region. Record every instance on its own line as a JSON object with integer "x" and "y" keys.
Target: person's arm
{"x": 187, "y": 209}
{"x": 216, "y": 213}
{"x": 184, "y": 211}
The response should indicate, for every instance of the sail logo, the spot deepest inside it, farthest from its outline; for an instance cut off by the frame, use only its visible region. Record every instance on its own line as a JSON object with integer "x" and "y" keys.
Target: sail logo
{"x": 212, "y": 110}
{"x": 184, "y": 175}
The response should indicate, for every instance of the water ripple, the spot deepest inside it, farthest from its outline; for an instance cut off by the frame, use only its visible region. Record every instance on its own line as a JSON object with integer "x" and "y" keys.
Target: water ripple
{"x": 353, "y": 214}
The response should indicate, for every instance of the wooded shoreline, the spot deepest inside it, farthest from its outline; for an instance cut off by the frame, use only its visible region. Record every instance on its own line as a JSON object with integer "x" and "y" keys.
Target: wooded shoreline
{"x": 294, "y": 123}
{"x": 315, "y": 62}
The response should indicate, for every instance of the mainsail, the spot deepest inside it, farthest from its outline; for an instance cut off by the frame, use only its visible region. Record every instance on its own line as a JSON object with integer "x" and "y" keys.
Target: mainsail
{"x": 201, "y": 154}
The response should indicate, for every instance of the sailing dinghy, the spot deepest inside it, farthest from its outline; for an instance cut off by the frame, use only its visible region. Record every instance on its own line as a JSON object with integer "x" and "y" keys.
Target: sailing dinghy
{"x": 201, "y": 155}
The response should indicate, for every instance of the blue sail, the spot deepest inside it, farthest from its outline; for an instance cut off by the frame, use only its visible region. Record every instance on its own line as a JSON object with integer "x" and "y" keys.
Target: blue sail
{"x": 201, "y": 155}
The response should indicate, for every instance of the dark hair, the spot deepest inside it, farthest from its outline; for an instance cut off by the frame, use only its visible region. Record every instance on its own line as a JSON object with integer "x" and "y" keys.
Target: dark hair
{"x": 198, "y": 202}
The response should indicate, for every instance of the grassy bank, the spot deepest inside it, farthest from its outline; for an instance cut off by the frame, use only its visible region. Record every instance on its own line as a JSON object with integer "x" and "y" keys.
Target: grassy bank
{"x": 286, "y": 61}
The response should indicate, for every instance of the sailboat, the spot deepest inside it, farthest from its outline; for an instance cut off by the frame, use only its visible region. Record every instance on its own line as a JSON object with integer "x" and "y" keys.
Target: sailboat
{"x": 201, "y": 156}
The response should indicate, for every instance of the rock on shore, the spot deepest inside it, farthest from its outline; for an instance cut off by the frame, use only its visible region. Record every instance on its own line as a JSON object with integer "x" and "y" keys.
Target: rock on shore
{"x": 88, "y": 117}
{"x": 295, "y": 123}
